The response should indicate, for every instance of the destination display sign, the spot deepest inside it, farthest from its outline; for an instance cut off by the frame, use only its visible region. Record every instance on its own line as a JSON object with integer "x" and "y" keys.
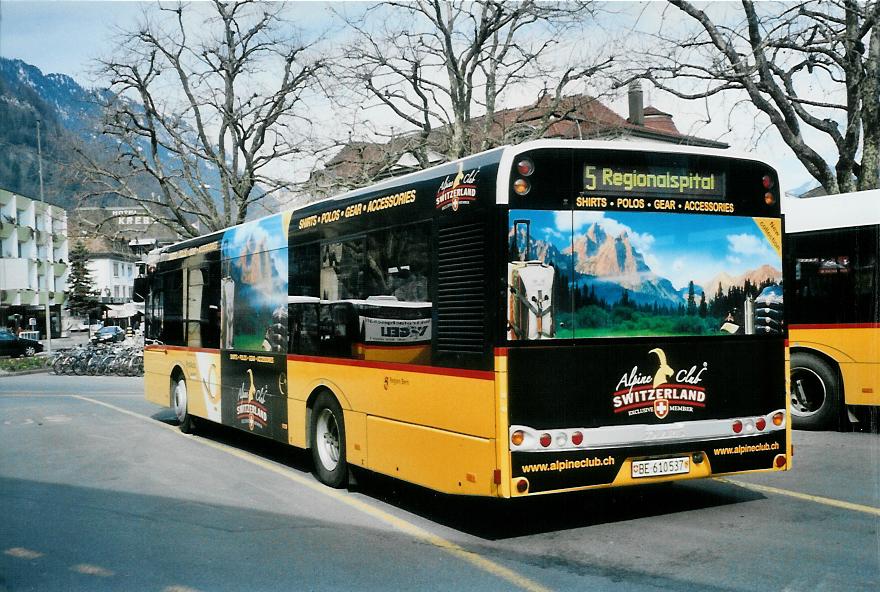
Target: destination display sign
{"x": 624, "y": 181}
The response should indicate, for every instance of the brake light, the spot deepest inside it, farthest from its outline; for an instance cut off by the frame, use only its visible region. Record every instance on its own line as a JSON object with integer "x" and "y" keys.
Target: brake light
{"x": 522, "y": 486}
{"x": 545, "y": 440}
{"x": 737, "y": 427}
{"x": 761, "y": 423}
{"x": 525, "y": 167}
{"x": 780, "y": 461}
{"x": 577, "y": 438}
{"x": 767, "y": 182}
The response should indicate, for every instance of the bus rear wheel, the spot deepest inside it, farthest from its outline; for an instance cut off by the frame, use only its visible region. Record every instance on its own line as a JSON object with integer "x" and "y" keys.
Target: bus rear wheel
{"x": 179, "y": 404}
{"x": 327, "y": 437}
{"x": 815, "y": 392}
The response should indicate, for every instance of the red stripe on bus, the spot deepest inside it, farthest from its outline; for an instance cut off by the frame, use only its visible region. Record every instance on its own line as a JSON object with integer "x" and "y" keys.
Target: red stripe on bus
{"x": 478, "y": 374}
{"x": 182, "y": 348}
{"x": 837, "y": 326}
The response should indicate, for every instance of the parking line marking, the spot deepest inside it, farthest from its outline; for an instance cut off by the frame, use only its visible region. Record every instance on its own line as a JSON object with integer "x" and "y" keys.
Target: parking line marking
{"x": 400, "y": 524}
{"x": 22, "y": 553}
{"x": 92, "y": 570}
{"x": 825, "y": 501}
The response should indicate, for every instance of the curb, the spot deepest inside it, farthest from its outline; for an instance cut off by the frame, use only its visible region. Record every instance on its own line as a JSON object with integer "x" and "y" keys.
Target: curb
{"x": 4, "y": 374}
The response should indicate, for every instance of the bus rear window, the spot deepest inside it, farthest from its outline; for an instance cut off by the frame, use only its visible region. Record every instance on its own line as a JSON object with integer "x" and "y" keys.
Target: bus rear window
{"x": 575, "y": 275}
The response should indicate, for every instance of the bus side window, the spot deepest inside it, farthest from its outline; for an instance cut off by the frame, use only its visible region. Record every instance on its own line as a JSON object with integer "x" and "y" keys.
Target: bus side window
{"x": 338, "y": 329}
{"x": 172, "y": 331}
{"x": 155, "y": 309}
{"x": 210, "y": 313}
{"x": 304, "y": 265}
{"x": 303, "y": 319}
{"x": 342, "y": 265}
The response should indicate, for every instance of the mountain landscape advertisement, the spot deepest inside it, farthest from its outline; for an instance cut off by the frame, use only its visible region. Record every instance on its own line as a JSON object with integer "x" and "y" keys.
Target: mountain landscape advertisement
{"x": 656, "y": 265}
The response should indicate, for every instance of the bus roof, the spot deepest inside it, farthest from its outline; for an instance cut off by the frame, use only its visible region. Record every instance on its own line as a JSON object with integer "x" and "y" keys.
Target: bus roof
{"x": 844, "y": 210}
{"x": 503, "y": 154}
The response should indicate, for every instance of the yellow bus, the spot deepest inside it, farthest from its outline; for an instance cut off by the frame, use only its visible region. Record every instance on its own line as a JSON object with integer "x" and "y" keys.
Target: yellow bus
{"x": 552, "y": 316}
{"x": 834, "y": 323}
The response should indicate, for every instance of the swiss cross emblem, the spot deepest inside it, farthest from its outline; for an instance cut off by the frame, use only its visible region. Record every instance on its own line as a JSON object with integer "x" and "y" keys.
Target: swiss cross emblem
{"x": 661, "y": 408}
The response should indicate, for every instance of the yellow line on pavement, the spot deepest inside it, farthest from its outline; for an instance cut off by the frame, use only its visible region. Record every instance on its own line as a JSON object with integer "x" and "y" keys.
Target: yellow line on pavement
{"x": 13, "y": 395}
{"x": 825, "y": 501}
{"x": 400, "y": 524}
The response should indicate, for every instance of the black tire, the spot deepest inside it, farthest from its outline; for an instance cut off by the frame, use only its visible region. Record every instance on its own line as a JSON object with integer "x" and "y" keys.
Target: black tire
{"x": 179, "y": 404}
{"x": 327, "y": 438}
{"x": 815, "y": 393}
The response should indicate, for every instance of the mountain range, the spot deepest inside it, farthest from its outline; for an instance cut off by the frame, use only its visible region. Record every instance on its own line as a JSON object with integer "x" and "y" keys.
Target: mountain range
{"x": 65, "y": 111}
{"x": 610, "y": 264}
{"x": 70, "y": 116}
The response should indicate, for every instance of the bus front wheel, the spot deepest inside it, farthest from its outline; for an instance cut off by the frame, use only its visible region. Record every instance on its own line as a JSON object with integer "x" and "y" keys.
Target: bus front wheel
{"x": 815, "y": 392}
{"x": 327, "y": 437}
{"x": 179, "y": 403}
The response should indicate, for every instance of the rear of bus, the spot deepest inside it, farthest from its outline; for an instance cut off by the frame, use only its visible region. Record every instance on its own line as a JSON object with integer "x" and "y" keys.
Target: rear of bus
{"x": 643, "y": 337}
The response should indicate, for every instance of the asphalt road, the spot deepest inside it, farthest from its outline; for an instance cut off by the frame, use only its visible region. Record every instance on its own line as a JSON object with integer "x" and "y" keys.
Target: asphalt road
{"x": 100, "y": 491}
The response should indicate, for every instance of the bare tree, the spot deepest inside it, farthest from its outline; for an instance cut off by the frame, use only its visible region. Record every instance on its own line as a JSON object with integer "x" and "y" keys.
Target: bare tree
{"x": 201, "y": 108}
{"x": 441, "y": 68}
{"x": 807, "y": 66}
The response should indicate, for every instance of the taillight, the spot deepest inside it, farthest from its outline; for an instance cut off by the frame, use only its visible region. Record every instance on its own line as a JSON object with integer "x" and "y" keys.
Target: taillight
{"x": 767, "y": 182}
{"x": 517, "y": 437}
{"x": 577, "y": 438}
{"x": 760, "y": 423}
{"x": 525, "y": 167}
{"x": 780, "y": 461}
{"x": 545, "y": 440}
{"x": 522, "y": 486}
{"x": 737, "y": 427}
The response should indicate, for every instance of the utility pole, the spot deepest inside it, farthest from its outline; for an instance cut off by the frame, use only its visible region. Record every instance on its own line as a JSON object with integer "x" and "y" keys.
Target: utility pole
{"x": 46, "y": 264}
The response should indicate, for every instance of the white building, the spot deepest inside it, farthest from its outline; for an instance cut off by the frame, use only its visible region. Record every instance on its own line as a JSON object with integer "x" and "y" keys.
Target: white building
{"x": 33, "y": 262}
{"x": 113, "y": 276}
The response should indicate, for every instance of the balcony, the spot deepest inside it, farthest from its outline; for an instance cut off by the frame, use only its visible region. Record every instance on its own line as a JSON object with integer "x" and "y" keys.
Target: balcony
{"x": 25, "y": 233}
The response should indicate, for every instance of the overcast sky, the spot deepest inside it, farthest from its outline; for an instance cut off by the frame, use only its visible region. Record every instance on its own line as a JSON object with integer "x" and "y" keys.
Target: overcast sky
{"x": 67, "y": 35}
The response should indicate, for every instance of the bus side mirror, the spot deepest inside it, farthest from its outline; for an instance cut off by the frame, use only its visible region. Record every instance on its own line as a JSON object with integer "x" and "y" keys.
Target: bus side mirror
{"x": 141, "y": 289}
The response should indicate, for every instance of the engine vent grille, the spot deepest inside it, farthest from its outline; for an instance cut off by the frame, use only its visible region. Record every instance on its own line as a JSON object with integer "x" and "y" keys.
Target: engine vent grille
{"x": 461, "y": 289}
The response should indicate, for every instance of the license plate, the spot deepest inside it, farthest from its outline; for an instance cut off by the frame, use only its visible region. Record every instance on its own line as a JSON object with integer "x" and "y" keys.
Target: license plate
{"x": 661, "y": 467}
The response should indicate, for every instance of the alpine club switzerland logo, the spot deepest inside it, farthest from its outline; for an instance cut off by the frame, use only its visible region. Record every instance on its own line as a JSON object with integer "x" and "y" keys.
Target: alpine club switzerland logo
{"x": 250, "y": 408}
{"x": 665, "y": 391}
{"x": 458, "y": 190}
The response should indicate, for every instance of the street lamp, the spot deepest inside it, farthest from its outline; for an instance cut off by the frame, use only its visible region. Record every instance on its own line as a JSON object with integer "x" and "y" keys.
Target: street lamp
{"x": 43, "y": 201}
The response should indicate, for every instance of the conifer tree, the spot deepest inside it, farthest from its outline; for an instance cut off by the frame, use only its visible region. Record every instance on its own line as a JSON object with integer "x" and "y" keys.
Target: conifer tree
{"x": 81, "y": 289}
{"x": 691, "y": 301}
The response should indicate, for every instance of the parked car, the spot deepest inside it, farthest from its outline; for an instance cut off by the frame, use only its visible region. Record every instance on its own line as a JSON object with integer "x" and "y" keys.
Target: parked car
{"x": 12, "y": 345}
{"x": 109, "y": 334}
